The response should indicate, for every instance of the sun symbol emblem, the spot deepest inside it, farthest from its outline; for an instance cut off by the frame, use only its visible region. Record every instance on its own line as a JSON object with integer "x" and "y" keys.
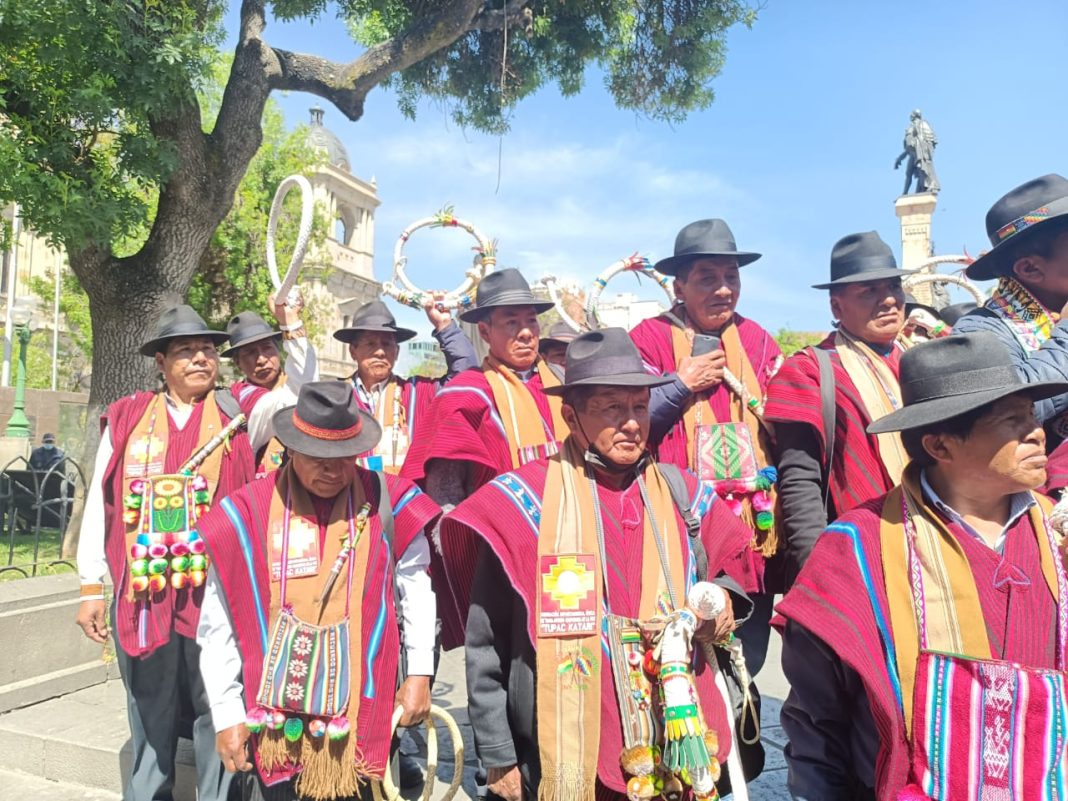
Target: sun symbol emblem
{"x": 568, "y": 582}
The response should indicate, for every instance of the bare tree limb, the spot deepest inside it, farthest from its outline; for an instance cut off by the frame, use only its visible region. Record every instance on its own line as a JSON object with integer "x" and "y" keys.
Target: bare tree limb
{"x": 347, "y": 85}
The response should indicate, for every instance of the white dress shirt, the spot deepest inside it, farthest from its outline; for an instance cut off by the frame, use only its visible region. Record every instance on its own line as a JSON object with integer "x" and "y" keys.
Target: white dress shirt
{"x": 220, "y": 658}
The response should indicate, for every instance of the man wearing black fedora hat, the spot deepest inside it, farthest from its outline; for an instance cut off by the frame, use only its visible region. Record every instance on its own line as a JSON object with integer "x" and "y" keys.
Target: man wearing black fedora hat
{"x": 720, "y": 363}
{"x": 553, "y": 348}
{"x": 398, "y": 404}
{"x": 1028, "y": 231}
{"x": 332, "y": 560}
{"x": 824, "y": 397}
{"x": 595, "y": 533}
{"x": 925, "y": 639}
{"x": 488, "y": 420}
{"x": 253, "y": 347}
{"x": 157, "y": 593}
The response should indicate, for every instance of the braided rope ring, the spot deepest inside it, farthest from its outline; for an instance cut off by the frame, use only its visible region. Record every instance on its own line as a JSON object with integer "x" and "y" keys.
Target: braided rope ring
{"x": 632, "y": 264}
{"x": 284, "y": 287}
{"x": 401, "y": 288}
{"x": 386, "y": 790}
{"x": 945, "y": 278}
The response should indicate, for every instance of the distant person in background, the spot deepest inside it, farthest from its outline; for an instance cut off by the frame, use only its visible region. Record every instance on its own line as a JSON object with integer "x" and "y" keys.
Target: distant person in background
{"x": 553, "y": 348}
{"x": 46, "y": 454}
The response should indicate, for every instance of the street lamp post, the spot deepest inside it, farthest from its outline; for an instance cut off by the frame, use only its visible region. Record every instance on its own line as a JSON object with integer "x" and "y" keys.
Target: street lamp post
{"x": 19, "y": 424}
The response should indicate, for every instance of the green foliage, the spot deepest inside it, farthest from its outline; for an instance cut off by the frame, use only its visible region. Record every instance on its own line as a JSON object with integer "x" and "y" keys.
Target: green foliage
{"x": 233, "y": 273}
{"x": 659, "y": 57}
{"x": 80, "y": 82}
{"x": 792, "y": 341}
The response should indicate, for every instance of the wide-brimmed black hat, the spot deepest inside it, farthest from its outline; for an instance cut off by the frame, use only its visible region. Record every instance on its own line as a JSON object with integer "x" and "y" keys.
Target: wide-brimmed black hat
{"x": 503, "y": 288}
{"x": 180, "y": 321}
{"x": 373, "y": 316}
{"x": 559, "y": 334}
{"x": 327, "y": 422}
{"x": 954, "y": 311}
{"x": 605, "y": 358}
{"x": 861, "y": 257}
{"x": 1015, "y": 218}
{"x": 703, "y": 238}
{"x": 246, "y": 328}
{"x": 911, "y": 303}
{"x": 947, "y": 377}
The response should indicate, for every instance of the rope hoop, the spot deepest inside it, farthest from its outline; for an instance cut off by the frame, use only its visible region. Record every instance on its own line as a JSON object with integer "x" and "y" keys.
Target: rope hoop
{"x": 401, "y": 288}
{"x": 923, "y": 277}
{"x": 284, "y": 287}
{"x": 631, "y": 264}
{"x": 386, "y": 790}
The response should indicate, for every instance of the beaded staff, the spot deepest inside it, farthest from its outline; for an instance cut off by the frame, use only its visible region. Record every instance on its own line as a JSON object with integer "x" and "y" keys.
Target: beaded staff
{"x": 346, "y": 548}
{"x": 639, "y": 265}
{"x": 197, "y": 459}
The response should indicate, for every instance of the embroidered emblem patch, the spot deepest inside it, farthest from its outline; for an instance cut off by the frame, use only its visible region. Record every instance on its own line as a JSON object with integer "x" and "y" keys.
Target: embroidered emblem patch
{"x": 568, "y": 601}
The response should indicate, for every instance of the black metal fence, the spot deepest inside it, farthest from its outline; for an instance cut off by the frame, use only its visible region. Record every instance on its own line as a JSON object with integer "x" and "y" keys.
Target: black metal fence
{"x": 35, "y": 511}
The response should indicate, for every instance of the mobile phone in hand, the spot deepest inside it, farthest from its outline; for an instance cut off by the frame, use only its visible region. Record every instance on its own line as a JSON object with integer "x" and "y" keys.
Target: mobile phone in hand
{"x": 704, "y": 343}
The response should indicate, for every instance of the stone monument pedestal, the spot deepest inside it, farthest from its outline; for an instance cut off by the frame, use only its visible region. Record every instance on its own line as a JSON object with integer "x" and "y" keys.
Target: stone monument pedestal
{"x": 12, "y": 448}
{"x": 915, "y": 212}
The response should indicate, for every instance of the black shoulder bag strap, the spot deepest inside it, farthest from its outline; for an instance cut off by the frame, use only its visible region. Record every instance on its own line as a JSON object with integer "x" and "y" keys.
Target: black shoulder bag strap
{"x": 829, "y": 411}
{"x": 228, "y": 404}
{"x": 681, "y": 496}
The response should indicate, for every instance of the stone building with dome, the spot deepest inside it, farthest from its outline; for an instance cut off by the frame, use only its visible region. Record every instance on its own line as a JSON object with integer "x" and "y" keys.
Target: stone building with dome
{"x": 339, "y": 277}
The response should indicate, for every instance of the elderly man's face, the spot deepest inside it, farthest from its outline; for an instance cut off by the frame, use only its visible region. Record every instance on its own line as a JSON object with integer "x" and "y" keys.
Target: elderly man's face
{"x": 323, "y": 477}
{"x": 710, "y": 291}
{"x": 260, "y": 363}
{"x": 1005, "y": 452}
{"x": 512, "y": 332}
{"x": 189, "y": 366}
{"x": 614, "y": 420}
{"x": 375, "y": 353}
{"x": 873, "y": 311}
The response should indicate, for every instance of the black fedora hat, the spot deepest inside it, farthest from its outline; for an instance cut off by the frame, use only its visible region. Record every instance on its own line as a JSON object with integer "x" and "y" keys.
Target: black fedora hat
{"x": 605, "y": 358}
{"x": 180, "y": 321}
{"x": 560, "y": 334}
{"x": 246, "y": 328}
{"x": 954, "y": 311}
{"x": 373, "y": 316}
{"x": 703, "y": 238}
{"x": 861, "y": 257}
{"x": 1015, "y": 218}
{"x": 944, "y": 378}
{"x": 503, "y": 288}
{"x": 327, "y": 422}
{"x": 911, "y": 304}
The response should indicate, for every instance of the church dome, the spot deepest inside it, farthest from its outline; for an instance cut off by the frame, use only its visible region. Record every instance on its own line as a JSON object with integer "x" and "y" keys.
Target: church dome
{"x": 322, "y": 138}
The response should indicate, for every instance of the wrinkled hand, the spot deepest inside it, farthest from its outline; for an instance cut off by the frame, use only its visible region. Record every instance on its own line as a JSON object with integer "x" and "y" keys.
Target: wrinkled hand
{"x": 414, "y": 697}
{"x": 702, "y": 372}
{"x": 439, "y": 317}
{"x": 93, "y": 620}
{"x": 505, "y": 783}
{"x": 232, "y": 745}
{"x": 283, "y": 312}
{"x": 717, "y": 629}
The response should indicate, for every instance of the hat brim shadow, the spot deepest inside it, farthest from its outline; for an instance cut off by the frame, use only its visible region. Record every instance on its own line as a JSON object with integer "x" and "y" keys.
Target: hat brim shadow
{"x": 296, "y": 440}
{"x": 159, "y": 344}
{"x": 937, "y": 410}
{"x": 231, "y": 351}
{"x": 348, "y": 335}
{"x": 864, "y": 277}
{"x": 672, "y": 264}
{"x": 477, "y": 314}
{"x": 622, "y": 380}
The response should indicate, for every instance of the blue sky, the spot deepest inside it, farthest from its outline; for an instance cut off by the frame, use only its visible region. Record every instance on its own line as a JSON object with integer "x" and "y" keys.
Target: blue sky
{"x": 796, "y": 151}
